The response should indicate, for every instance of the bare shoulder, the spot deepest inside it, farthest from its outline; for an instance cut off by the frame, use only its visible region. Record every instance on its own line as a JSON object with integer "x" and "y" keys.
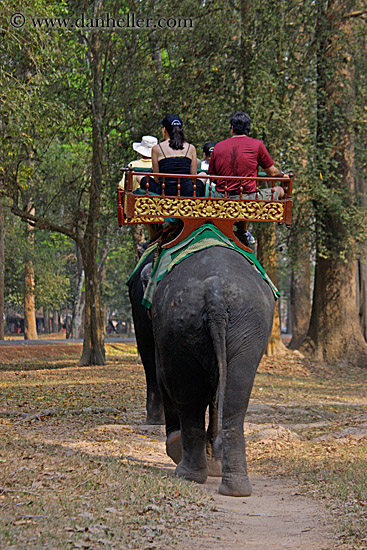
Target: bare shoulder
{"x": 191, "y": 150}
{"x": 157, "y": 149}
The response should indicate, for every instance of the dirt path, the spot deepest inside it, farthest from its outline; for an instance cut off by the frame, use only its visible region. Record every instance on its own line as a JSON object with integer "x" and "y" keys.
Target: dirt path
{"x": 276, "y": 516}
{"x": 77, "y": 440}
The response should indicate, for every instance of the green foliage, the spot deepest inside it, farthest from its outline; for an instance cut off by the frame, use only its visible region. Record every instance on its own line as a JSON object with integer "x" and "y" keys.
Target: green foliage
{"x": 15, "y": 246}
{"x": 53, "y": 270}
{"x": 119, "y": 264}
{"x": 263, "y": 57}
{"x": 53, "y": 264}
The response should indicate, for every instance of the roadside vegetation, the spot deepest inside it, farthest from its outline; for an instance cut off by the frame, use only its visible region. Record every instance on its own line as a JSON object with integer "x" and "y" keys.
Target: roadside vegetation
{"x": 314, "y": 427}
{"x": 74, "y": 471}
{"x": 77, "y": 466}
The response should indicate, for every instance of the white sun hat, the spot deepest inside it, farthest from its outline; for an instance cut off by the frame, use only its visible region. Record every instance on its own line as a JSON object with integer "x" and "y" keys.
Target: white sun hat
{"x": 145, "y": 146}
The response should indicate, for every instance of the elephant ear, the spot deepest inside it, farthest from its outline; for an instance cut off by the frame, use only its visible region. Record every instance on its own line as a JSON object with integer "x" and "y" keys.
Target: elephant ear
{"x": 145, "y": 275}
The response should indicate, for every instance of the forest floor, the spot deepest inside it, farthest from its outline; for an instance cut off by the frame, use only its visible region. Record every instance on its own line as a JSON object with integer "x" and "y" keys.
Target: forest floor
{"x": 79, "y": 468}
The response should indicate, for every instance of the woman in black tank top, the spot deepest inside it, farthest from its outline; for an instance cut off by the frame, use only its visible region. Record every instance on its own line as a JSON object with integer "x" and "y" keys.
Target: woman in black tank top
{"x": 175, "y": 165}
{"x": 173, "y": 156}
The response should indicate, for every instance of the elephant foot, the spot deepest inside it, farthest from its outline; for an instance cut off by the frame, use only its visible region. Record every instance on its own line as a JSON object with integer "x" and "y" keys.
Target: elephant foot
{"x": 235, "y": 486}
{"x": 173, "y": 446}
{"x": 214, "y": 467}
{"x": 155, "y": 420}
{"x": 154, "y": 408}
{"x": 199, "y": 475}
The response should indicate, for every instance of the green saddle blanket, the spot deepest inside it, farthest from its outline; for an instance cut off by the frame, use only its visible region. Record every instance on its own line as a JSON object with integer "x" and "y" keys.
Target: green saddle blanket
{"x": 205, "y": 236}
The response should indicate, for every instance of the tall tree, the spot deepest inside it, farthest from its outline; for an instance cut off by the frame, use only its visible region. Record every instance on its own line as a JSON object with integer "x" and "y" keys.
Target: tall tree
{"x": 266, "y": 252}
{"x": 93, "y": 345}
{"x": 2, "y": 271}
{"x": 334, "y": 334}
{"x": 300, "y": 297}
{"x": 73, "y": 208}
{"x": 30, "y": 328}
{"x": 2, "y": 252}
{"x": 361, "y": 160}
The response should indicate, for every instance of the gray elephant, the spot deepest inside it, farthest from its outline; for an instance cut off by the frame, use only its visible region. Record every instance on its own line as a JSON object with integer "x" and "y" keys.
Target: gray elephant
{"x": 212, "y": 317}
{"x": 145, "y": 343}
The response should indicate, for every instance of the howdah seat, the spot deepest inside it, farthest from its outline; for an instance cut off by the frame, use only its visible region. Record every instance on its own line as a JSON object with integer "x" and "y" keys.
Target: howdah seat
{"x": 141, "y": 206}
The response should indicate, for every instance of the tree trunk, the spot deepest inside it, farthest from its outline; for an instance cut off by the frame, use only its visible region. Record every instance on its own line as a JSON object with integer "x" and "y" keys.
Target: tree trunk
{"x": 93, "y": 345}
{"x": 335, "y": 335}
{"x": 275, "y": 345}
{"x": 156, "y": 52}
{"x": 102, "y": 273}
{"x": 137, "y": 233}
{"x": 362, "y": 295}
{"x": 2, "y": 249}
{"x": 77, "y": 328}
{"x": 129, "y": 326}
{"x": 361, "y": 187}
{"x": 47, "y": 321}
{"x": 246, "y": 52}
{"x": 67, "y": 324}
{"x": 266, "y": 253}
{"x": 30, "y": 327}
{"x": 55, "y": 322}
{"x": 289, "y": 315}
{"x": 2, "y": 272}
{"x": 300, "y": 302}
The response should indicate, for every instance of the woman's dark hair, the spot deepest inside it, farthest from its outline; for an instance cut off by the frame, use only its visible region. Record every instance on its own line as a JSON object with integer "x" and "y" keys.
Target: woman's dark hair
{"x": 176, "y": 137}
{"x": 241, "y": 123}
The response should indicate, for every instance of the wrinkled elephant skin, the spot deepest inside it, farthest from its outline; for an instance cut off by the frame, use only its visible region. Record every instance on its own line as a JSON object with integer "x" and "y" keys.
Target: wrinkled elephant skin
{"x": 146, "y": 346}
{"x": 212, "y": 317}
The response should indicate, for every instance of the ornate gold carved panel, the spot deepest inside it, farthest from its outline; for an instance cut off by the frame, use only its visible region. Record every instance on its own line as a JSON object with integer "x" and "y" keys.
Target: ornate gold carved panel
{"x": 158, "y": 207}
{"x": 143, "y": 219}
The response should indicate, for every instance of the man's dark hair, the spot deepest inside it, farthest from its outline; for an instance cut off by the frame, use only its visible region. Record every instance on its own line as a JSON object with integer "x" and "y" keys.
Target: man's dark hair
{"x": 241, "y": 123}
{"x": 208, "y": 147}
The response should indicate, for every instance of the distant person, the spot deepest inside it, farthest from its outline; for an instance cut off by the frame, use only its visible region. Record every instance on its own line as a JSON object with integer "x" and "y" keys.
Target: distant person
{"x": 174, "y": 155}
{"x": 241, "y": 155}
{"x": 207, "y": 153}
{"x": 144, "y": 149}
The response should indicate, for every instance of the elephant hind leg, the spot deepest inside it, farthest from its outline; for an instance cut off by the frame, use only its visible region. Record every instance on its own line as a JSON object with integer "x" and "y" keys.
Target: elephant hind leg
{"x": 198, "y": 475}
{"x": 174, "y": 447}
{"x": 174, "y": 451}
{"x": 185, "y": 395}
{"x": 235, "y": 481}
{"x": 193, "y": 465}
{"x": 170, "y": 412}
{"x": 235, "y": 486}
{"x": 154, "y": 407}
{"x": 213, "y": 455}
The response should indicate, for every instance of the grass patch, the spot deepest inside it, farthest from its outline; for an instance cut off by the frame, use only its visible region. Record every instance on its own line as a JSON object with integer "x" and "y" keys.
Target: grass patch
{"x": 326, "y": 409}
{"x": 332, "y": 471}
{"x": 74, "y": 451}
{"x": 53, "y": 499}
{"x": 78, "y": 477}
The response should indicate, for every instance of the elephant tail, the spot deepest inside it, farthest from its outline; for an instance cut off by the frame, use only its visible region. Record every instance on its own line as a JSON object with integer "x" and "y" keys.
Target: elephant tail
{"x": 217, "y": 320}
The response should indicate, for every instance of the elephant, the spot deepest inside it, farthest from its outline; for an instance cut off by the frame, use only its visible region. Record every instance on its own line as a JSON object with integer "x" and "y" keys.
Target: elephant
{"x": 212, "y": 317}
{"x": 154, "y": 404}
{"x": 146, "y": 346}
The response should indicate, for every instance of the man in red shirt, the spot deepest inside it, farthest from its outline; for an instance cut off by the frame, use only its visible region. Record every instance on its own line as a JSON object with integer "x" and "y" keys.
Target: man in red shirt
{"x": 240, "y": 155}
